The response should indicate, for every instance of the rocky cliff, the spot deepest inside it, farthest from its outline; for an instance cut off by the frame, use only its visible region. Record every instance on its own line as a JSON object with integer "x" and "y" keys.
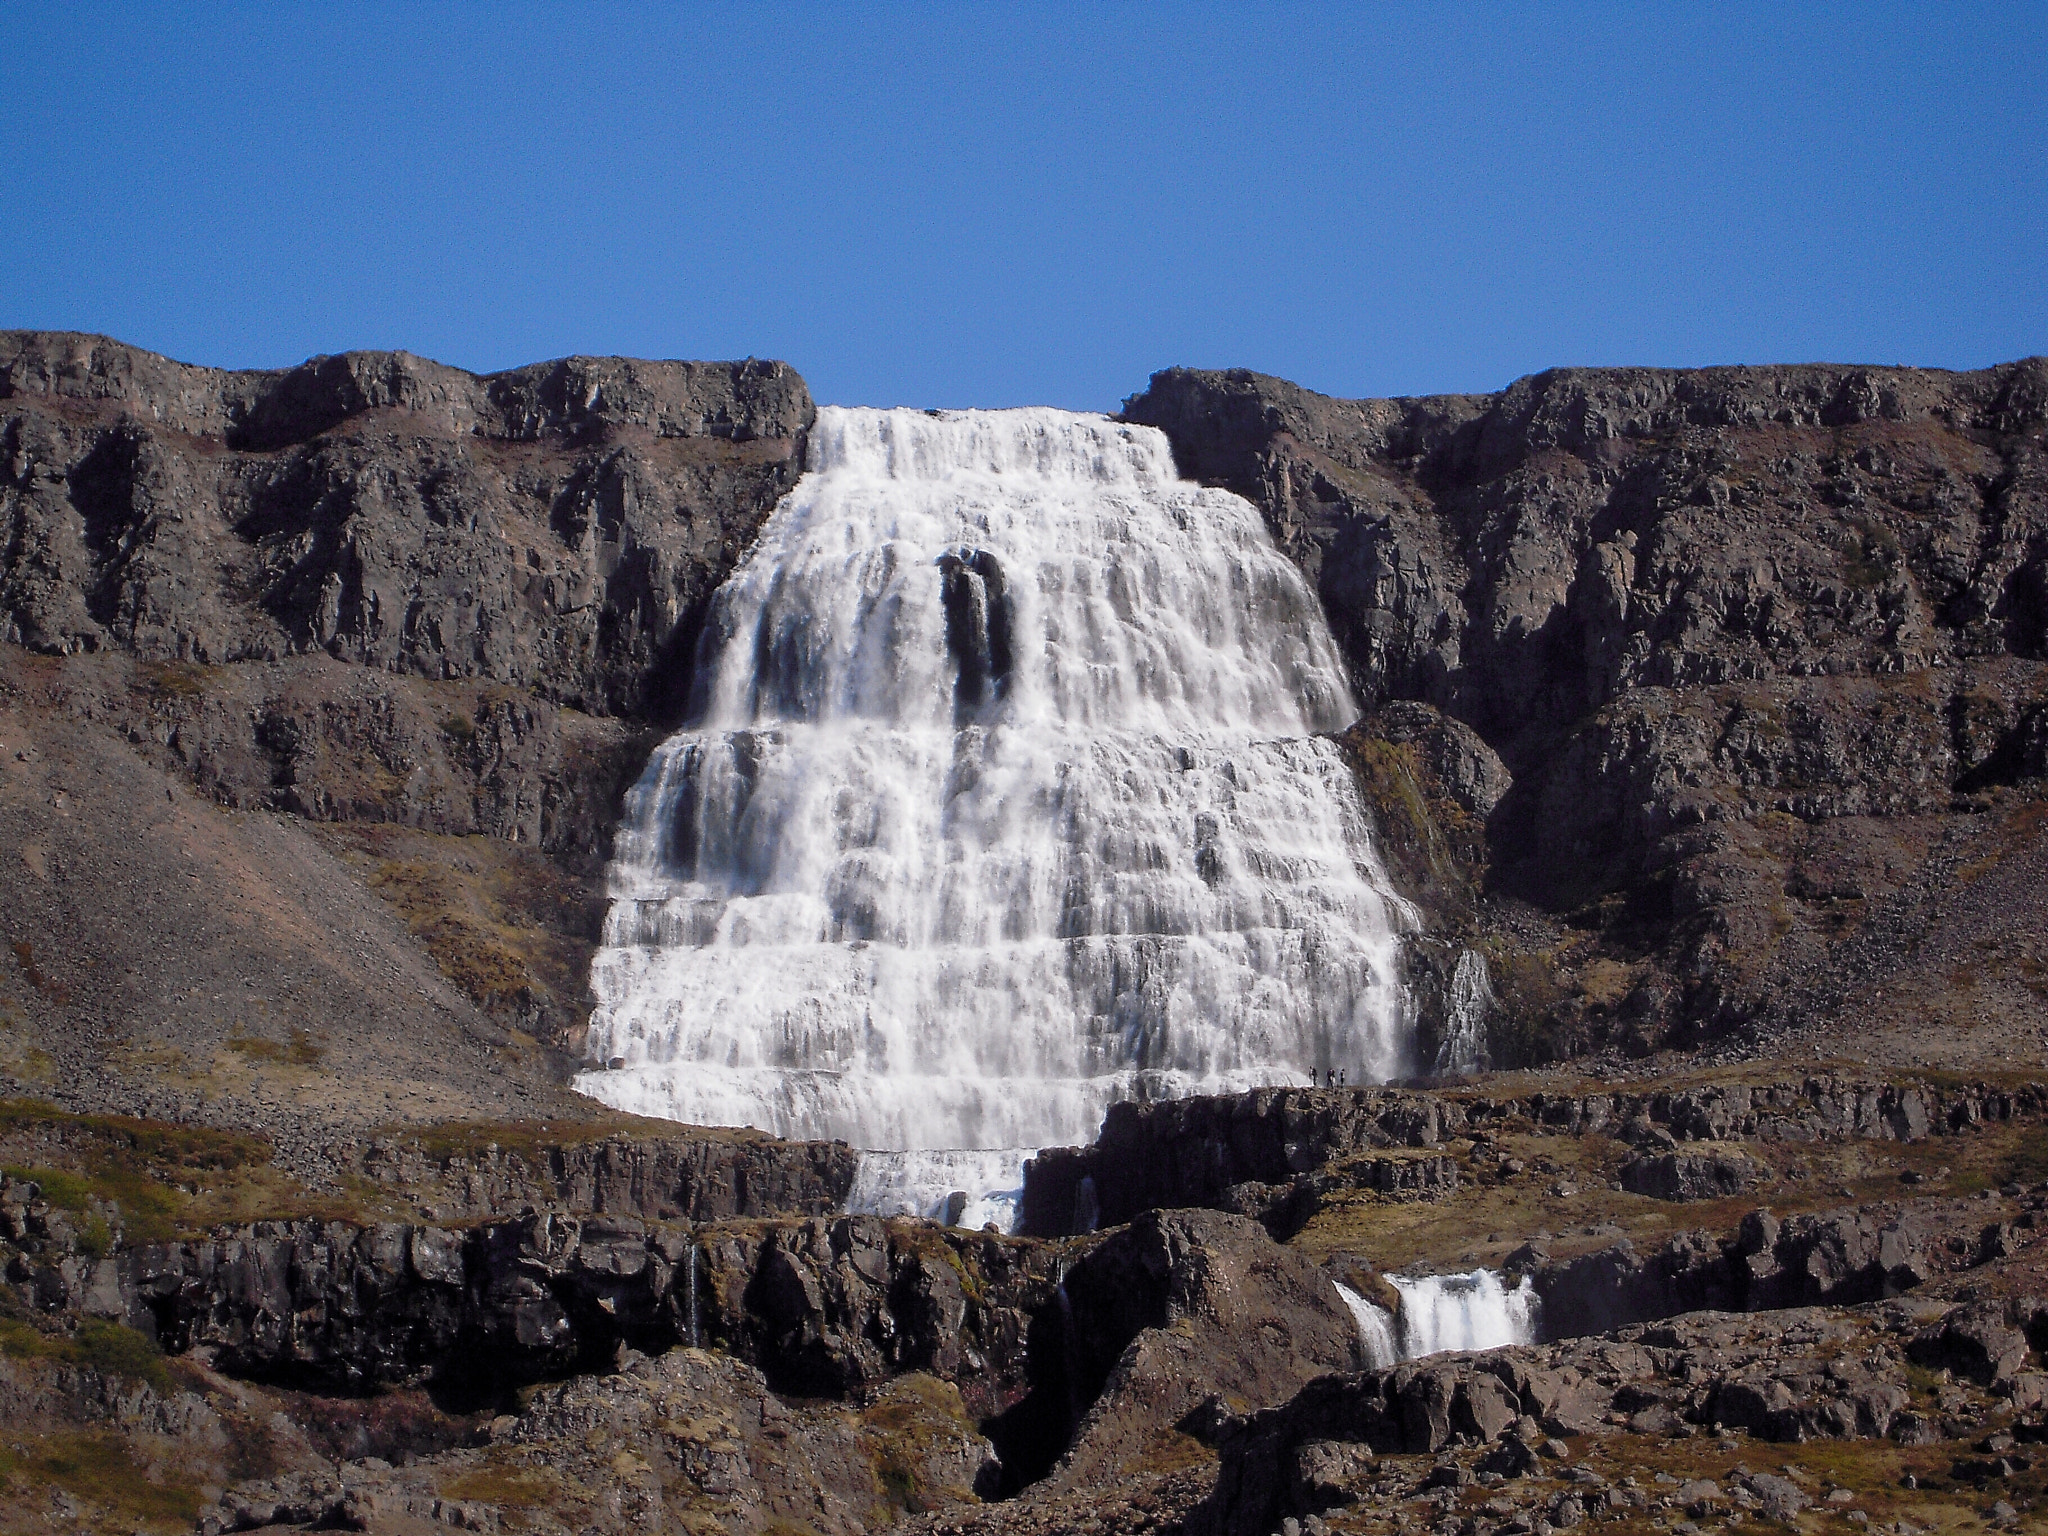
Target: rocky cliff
{"x": 557, "y": 527}
{"x": 1707, "y": 709}
{"x": 1753, "y": 658}
{"x": 414, "y": 630}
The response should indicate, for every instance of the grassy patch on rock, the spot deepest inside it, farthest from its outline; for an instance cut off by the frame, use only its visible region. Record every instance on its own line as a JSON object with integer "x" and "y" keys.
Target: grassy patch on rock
{"x": 1521, "y": 1184}
{"x": 506, "y": 925}
{"x": 100, "y": 1470}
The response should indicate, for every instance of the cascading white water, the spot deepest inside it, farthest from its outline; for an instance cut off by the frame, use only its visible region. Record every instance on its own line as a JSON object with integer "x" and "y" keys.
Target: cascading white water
{"x": 1375, "y": 1329}
{"x": 1475, "y": 1311}
{"x": 1470, "y": 1005}
{"x": 1004, "y": 802}
{"x": 928, "y": 1182}
{"x": 1444, "y": 1312}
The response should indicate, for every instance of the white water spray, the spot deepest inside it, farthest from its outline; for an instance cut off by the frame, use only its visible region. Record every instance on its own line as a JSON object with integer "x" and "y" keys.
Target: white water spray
{"x": 1439, "y": 1313}
{"x": 1375, "y": 1329}
{"x": 1005, "y": 802}
{"x": 1475, "y": 1311}
{"x": 1468, "y": 1009}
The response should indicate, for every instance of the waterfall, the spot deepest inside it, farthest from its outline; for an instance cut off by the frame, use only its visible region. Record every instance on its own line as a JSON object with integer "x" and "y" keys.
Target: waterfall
{"x": 1475, "y": 1311}
{"x": 1375, "y": 1329}
{"x": 1443, "y": 1312}
{"x": 1003, "y": 799}
{"x": 963, "y": 1188}
{"x": 1464, "y": 1047}
{"x": 692, "y": 1283}
{"x": 693, "y": 1295}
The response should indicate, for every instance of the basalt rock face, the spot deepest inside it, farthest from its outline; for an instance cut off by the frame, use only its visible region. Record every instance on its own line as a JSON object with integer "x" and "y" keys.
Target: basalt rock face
{"x": 707, "y": 1177}
{"x": 1148, "y": 1326}
{"x": 557, "y": 527}
{"x": 398, "y": 601}
{"x": 1743, "y": 639}
{"x": 1834, "y": 1258}
{"x": 835, "y": 1307}
{"x": 824, "y": 1308}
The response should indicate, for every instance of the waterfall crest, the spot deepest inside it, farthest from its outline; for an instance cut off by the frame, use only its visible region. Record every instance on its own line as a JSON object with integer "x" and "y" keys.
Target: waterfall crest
{"x": 1003, "y": 800}
{"x": 1440, "y": 1313}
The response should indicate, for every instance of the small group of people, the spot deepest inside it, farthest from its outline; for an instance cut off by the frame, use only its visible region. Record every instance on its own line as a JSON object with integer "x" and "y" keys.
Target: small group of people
{"x": 1335, "y": 1076}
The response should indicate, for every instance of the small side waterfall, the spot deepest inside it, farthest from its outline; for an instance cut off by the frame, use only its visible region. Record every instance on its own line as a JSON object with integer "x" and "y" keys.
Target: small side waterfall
{"x": 1440, "y": 1313}
{"x": 1008, "y": 795}
{"x": 1465, "y": 1046}
{"x": 1375, "y": 1329}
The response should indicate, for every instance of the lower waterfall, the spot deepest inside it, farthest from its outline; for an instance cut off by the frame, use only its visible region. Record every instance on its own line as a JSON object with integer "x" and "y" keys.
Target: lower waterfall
{"x": 1007, "y": 795}
{"x": 1375, "y": 1329}
{"x": 1441, "y": 1313}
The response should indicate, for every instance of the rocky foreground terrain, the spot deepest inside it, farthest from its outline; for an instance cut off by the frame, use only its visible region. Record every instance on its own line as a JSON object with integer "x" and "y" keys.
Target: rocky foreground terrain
{"x": 1709, "y": 707}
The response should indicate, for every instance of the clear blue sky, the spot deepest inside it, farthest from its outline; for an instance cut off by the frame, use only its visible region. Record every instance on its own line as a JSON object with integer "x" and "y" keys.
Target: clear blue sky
{"x": 955, "y": 205}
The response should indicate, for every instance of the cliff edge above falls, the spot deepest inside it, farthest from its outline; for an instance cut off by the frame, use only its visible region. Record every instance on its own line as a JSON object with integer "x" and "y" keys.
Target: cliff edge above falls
{"x": 1757, "y": 654}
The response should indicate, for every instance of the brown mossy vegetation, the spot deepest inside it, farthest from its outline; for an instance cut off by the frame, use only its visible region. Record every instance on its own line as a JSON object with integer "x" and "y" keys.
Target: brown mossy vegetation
{"x": 180, "y": 680}
{"x": 148, "y": 1181}
{"x": 114, "y": 1350}
{"x": 903, "y": 1424}
{"x": 301, "y": 1049}
{"x": 505, "y": 924}
{"x": 1435, "y": 849}
{"x": 516, "y": 1487}
{"x": 1494, "y": 1211}
{"x": 99, "y": 1469}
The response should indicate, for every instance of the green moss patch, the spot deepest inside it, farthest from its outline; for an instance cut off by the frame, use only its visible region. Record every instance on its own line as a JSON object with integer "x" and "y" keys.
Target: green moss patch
{"x": 111, "y": 1349}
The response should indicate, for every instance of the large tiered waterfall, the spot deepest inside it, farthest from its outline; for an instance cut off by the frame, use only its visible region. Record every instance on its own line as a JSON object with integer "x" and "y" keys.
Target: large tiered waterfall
{"x": 1004, "y": 801}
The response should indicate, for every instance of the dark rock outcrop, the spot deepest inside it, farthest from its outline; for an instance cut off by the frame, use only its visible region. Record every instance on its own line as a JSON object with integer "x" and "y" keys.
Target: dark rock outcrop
{"x": 1801, "y": 1375}
{"x": 1259, "y": 1150}
{"x": 700, "y": 1177}
{"x": 1178, "y": 1308}
{"x": 833, "y": 1307}
{"x": 1728, "y": 631}
{"x": 1836, "y": 1258}
{"x": 658, "y": 1439}
{"x": 823, "y": 1308}
{"x": 1522, "y": 558}
{"x": 1705, "y": 1176}
{"x": 558, "y": 527}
